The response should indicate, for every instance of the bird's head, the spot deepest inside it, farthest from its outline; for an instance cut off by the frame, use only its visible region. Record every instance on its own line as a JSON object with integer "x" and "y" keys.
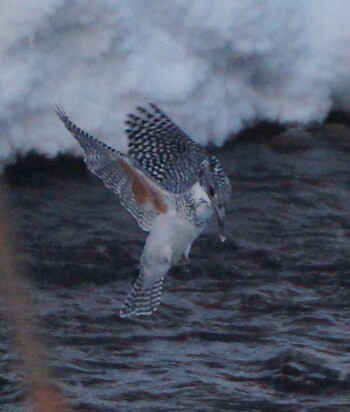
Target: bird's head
{"x": 217, "y": 186}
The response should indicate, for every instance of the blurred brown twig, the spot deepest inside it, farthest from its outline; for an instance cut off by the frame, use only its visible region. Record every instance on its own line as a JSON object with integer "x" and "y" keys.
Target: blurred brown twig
{"x": 18, "y": 311}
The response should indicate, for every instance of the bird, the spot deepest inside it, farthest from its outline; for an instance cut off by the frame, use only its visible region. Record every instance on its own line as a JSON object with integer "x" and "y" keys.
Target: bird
{"x": 169, "y": 184}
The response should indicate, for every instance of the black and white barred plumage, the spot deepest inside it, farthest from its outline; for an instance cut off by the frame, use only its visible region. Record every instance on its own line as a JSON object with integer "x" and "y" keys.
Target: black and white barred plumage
{"x": 163, "y": 150}
{"x": 168, "y": 183}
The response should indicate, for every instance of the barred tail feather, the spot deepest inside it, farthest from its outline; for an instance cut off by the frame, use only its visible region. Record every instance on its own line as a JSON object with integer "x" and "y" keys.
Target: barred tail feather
{"x": 142, "y": 302}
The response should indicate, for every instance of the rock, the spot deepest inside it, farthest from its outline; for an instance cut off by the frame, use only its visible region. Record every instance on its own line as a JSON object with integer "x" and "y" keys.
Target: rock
{"x": 294, "y": 139}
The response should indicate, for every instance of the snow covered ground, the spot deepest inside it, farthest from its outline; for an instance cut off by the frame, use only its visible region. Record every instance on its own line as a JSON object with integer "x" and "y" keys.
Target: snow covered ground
{"x": 213, "y": 66}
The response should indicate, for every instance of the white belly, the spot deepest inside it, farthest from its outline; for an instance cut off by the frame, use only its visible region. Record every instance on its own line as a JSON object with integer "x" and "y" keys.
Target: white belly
{"x": 172, "y": 233}
{"x": 171, "y": 236}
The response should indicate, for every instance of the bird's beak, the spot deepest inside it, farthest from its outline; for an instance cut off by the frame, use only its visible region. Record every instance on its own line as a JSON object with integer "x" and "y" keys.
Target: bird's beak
{"x": 220, "y": 214}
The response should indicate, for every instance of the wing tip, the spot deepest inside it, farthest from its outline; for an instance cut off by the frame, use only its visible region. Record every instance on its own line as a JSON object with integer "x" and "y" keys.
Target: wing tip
{"x": 155, "y": 107}
{"x": 60, "y": 112}
{"x": 143, "y": 112}
{"x": 65, "y": 119}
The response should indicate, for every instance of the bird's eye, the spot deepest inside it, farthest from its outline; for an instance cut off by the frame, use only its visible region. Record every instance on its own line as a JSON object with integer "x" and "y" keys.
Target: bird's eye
{"x": 211, "y": 191}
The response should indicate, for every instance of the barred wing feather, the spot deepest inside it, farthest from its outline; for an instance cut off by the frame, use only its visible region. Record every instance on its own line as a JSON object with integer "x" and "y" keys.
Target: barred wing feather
{"x": 138, "y": 194}
{"x": 163, "y": 151}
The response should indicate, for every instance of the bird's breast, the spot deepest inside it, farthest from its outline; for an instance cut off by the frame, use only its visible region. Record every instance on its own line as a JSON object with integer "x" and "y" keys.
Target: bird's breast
{"x": 171, "y": 235}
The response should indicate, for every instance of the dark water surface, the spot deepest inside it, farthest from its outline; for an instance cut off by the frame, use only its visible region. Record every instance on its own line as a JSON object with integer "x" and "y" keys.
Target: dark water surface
{"x": 260, "y": 323}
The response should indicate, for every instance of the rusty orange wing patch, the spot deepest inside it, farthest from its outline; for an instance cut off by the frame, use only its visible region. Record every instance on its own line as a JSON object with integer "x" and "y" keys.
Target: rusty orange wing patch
{"x": 142, "y": 190}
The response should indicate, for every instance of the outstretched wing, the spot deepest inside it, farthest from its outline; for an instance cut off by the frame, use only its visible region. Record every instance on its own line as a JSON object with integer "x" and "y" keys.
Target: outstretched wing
{"x": 163, "y": 151}
{"x": 138, "y": 194}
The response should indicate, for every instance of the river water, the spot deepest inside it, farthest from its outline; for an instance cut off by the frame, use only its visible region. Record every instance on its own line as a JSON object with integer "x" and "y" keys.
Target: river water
{"x": 259, "y": 323}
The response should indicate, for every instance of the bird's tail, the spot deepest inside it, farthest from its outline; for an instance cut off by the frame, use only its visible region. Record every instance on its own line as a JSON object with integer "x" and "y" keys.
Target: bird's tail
{"x": 142, "y": 302}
